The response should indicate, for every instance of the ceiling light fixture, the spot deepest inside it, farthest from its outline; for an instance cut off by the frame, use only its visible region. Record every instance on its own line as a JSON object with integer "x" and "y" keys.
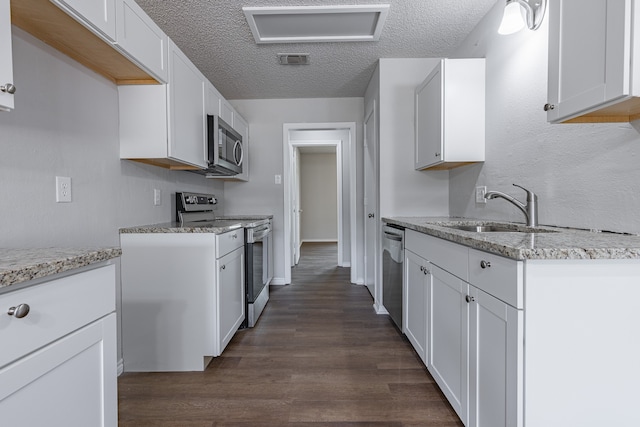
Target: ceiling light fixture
{"x": 306, "y": 24}
{"x": 514, "y": 12}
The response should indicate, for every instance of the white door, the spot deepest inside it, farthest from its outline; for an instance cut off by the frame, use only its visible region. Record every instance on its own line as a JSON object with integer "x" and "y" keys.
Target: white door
{"x": 495, "y": 353}
{"x": 417, "y": 278}
{"x": 370, "y": 201}
{"x": 231, "y": 295}
{"x": 448, "y": 337}
{"x": 295, "y": 205}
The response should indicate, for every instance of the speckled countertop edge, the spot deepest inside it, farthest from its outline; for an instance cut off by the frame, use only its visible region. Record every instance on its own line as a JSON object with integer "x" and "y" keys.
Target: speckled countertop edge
{"x": 561, "y": 243}
{"x": 221, "y": 224}
{"x": 22, "y": 265}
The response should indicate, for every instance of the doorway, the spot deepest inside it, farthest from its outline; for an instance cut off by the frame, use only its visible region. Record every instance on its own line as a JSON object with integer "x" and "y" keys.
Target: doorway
{"x": 341, "y": 137}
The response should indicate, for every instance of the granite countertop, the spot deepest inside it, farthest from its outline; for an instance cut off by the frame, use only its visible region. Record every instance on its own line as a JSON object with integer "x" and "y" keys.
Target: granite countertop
{"x": 220, "y": 225}
{"x": 548, "y": 243}
{"x": 22, "y": 265}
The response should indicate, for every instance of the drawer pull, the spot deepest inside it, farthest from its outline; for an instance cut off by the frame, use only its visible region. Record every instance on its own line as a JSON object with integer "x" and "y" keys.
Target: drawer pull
{"x": 223, "y": 267}
{"x": 19, "y": 311}
{"x": 485, "y": 264}
{"x": 469, "y": 298}
{"x": 426, "y": 271}
{"x": 421, "y": 268}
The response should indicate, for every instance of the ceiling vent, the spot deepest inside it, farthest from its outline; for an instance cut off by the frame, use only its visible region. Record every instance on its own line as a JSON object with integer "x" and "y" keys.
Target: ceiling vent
{"x": 294, "y": 58}
{"x": 306, "y": 24}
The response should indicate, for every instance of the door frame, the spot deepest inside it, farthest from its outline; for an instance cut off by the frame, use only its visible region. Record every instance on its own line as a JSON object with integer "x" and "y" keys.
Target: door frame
{"x": 345, "y": 152}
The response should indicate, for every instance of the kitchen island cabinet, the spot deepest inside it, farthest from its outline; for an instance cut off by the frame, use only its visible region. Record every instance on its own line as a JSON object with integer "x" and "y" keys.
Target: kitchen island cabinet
{"x": 601, "y": 83}
{"x": 59, "y": 331}
{"x": 571, "y": 295}
{"x": 6, "y": 65}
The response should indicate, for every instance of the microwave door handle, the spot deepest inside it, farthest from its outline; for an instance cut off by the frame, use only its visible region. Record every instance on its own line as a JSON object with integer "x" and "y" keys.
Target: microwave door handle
{"x": 237, "y": 148}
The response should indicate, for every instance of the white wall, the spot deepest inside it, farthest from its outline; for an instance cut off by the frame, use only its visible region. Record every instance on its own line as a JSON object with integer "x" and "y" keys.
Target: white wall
{"x": 66, "y": 124}
{"x": 266, "y": 118}
{"x": 318, "y": 197}
{"x": 585, "y": 175}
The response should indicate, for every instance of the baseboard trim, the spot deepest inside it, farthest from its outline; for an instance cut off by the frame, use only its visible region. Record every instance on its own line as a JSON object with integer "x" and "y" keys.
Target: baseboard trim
{"x": 379, "y": 308}
{"x": 318, "y": 241}
{"x": 278, "y": 281}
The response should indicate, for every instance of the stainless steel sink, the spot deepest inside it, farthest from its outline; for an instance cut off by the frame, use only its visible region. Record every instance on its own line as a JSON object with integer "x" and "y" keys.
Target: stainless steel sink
{"x": 495, "y": 228}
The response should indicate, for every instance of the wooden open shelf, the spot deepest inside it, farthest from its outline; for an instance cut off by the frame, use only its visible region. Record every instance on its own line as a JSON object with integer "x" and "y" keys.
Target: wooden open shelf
{"x": 47, "y": 22}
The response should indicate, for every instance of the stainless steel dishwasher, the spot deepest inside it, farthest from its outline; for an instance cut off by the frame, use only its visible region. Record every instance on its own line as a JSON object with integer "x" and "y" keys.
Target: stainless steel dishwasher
{"x": 392, "y": 271}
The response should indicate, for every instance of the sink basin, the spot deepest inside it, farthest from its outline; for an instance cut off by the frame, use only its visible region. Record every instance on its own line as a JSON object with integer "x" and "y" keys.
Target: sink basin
{"x": 495, "y": 228}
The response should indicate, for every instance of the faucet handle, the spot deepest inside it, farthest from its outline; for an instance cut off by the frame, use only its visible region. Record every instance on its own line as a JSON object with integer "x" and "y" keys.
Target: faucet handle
{"x": 530, "y": 194}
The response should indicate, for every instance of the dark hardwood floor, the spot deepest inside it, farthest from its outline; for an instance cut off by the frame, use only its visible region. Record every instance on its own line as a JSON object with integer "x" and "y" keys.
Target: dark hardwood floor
{"x": 319, "y": 356}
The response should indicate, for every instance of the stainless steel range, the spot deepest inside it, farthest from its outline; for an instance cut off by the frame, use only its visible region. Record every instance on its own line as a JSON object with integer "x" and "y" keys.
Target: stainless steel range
{"x": 197, "y": 208}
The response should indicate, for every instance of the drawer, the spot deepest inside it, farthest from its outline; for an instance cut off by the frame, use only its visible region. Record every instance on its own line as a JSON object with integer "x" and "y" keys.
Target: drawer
{"x": 498, "y": 276}
{"x": 229, "y": 241}
{"x": 449, "y": 256}
{"x": 57, "y": 308}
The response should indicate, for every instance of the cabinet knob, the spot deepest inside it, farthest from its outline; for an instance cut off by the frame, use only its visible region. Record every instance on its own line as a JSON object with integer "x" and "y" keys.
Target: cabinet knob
{"x": 20, "y": 311}
{"x": 425, "y": 271}
{"x": 437, "y": 154}
{"x": 469, "y": 298}
{"x": 371, "y": 215}
{"x": 548, "y": 107}
{"x": 485, "y": 264}
{"x": 421, "y": 268}
{"x": 8, "y": 88}
{"x": 223, "y": 267}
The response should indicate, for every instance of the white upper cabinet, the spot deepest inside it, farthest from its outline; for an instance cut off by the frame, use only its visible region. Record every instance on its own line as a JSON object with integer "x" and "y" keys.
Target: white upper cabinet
{"x": 450, "y": 115}
{"x": 97, "y": 15}
{"x": 227, "y": 112}
{"x": 164, "y": 125}
{"x": 187, "y": 124}
{"x": 213, "y": 100}
{"x": 593, "y": 61}
{"x": 6, "y": 64}
{"x": 141, "y": 39}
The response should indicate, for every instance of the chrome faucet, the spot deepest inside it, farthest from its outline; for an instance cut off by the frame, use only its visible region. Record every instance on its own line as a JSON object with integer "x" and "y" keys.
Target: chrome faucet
{"x": 530, "y": 210}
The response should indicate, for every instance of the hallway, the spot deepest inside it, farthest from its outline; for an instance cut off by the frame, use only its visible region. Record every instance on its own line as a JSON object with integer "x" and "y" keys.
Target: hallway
{"x": 319, "y": 356}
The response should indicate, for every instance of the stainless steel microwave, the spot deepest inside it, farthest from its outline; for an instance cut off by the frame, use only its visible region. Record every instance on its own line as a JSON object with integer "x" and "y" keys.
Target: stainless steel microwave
{"x": 224, "y": 149}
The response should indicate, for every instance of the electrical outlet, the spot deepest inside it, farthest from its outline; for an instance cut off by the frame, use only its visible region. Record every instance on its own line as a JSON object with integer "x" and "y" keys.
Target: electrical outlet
{"x": 63, "y": 189}
{"x": 480, "y": 192}
{"x": 157, "y": 197}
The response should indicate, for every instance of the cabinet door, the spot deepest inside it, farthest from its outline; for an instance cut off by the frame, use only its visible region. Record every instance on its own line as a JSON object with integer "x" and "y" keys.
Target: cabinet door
{"x": 6, "y": 65}
{"x": 417, "y": 281}
{"x": 97, "y": 15}
{"x": 231, "y": 295}
{"x": 580, "y": 80}
{"x": 187, "y": 124}
{"x": 429, "y": 120}
{"x": 226, "y": 112}
{"x": 71, "y": 382}
{"x": 495, "y": 362}
{"x": 213, "y": 100}
{"x": 141, "y": 39}
{"x": 448, "y": 314}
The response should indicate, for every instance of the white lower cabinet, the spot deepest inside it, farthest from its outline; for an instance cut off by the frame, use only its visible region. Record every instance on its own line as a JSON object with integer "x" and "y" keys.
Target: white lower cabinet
{"x": 62, "y": 354}
{"x": 495, "y": 354}
{"x": 447, "y": 315}
{"x": 416, "y": 287}
{"x": 182, "y": 298}
{"x": 473, "y": 340}
{"x": 231, "y": 295}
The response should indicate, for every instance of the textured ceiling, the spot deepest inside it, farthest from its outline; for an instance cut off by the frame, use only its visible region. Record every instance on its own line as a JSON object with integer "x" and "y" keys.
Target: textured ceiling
{"x": 215, "y": 35}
